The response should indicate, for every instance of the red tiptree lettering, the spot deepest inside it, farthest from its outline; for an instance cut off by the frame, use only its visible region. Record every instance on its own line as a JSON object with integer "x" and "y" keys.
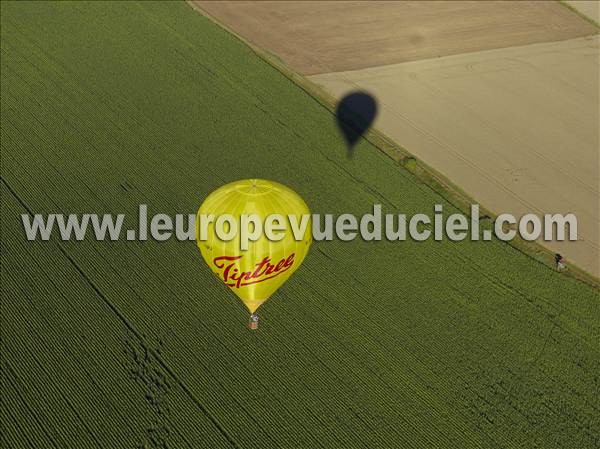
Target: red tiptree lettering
{"x": 263, "y": 270}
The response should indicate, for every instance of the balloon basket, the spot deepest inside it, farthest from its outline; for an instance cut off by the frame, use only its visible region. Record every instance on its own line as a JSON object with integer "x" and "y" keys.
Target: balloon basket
{"x": 253, "y": 322}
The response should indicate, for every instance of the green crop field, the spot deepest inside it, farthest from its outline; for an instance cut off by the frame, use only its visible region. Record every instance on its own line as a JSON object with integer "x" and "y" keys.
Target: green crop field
{"x": 134, "y": 344}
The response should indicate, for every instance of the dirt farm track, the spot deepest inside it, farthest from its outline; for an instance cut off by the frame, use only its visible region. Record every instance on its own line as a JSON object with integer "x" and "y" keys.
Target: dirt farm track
{"x": 589, "y": 8}
{"x": 500, "y": 97}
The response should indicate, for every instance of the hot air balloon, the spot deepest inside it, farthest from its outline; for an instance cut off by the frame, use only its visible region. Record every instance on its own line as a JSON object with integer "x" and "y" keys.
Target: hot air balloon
{"x": 254, "y": 270}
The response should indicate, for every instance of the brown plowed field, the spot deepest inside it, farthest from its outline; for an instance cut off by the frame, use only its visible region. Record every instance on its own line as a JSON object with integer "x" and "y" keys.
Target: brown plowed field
{"x": 332, "y": 36}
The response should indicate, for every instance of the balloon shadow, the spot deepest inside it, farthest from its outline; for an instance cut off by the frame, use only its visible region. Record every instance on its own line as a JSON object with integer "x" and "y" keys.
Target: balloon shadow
{"x": 354, "y": 115}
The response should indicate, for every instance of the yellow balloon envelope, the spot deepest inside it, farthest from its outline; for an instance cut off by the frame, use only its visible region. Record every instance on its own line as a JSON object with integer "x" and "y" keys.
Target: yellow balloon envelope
{"x": 256, "y": 273}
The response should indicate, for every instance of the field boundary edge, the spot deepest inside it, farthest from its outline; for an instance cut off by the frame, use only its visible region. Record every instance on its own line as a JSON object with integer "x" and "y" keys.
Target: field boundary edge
{"x": 426, "y": 174}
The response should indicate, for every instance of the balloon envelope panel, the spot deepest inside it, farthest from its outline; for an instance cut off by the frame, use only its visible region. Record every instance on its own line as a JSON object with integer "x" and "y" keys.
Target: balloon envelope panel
{"x": 256, "y": 273}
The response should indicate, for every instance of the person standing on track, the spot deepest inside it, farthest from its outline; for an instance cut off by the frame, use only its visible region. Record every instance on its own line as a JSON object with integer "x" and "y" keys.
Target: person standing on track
{"x": 560, "y": 262}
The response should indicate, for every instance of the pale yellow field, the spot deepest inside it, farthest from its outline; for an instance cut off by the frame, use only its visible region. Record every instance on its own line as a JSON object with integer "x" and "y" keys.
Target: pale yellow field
{"x": 517, "y": 128}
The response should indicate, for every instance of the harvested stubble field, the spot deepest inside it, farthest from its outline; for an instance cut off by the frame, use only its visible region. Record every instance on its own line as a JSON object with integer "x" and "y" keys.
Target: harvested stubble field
{"x": 334, "y": 36}
{"x": 518, "y": 127}
{"x": 133, "y": 344}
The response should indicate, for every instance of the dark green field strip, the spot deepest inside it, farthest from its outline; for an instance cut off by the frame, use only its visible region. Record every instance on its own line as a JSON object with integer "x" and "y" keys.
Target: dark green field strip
{"x": 105, "y": 106}
{"x": 20, "y": 426}
{"x": 103, "y": 363}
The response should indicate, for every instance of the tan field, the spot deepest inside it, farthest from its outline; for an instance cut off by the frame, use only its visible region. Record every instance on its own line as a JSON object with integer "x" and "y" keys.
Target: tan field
{"x": 333, "y": 36}
{"x": 517, "y": 128}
